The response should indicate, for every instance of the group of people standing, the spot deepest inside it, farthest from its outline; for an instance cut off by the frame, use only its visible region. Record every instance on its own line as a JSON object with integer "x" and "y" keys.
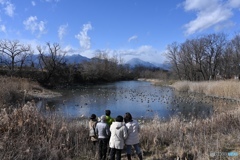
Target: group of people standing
{"x": 112, "y": 135}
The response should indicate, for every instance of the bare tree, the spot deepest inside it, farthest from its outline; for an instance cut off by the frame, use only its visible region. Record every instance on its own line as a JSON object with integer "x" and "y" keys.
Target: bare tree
{"x": 214, "y": 48}
{"x": 52, "y": 60}
{"x": 14, "y": 53}
{"x": 198, "y": 58}
{"x": 187, "y": 60}
{"x": 197, "y": 49}
{"x": 235, "y": 46}
{"x": 228, "y": 68}
{"x": 103, "y": 68}
{"x": 173, "y": 55}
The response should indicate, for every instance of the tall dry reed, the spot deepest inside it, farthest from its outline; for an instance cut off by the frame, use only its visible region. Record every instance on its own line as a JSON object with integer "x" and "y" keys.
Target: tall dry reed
{"x": 193, "y": 139}
{"x": 26, "y": 134}
{"x": 12, "y": 89}
{"x": 228, "y": 89}
{"x": 15, "y": 91}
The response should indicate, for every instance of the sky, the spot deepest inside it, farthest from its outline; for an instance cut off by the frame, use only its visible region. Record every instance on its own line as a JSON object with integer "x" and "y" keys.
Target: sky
{"x": 121, "y": 28}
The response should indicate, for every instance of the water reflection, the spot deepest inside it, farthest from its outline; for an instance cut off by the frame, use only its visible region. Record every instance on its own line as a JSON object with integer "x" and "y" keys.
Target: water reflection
{"x": 141, "y": 99}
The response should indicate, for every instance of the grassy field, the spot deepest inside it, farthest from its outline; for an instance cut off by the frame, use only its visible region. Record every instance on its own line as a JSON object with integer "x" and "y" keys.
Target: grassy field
{"x": 27, "y": 134}
{"x": 225, "y": 89}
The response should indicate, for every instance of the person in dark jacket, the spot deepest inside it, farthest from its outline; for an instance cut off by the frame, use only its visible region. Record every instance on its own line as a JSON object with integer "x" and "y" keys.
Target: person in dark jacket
{"x": 103, "y": 132}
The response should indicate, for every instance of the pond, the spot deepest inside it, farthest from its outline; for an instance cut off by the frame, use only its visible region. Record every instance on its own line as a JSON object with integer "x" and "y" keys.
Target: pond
{"x": 140, "y": 98}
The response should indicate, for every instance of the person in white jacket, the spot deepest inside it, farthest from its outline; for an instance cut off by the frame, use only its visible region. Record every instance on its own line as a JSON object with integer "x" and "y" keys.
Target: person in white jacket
{"x": 118, "y": 135}
{"x": 133, "y": 130}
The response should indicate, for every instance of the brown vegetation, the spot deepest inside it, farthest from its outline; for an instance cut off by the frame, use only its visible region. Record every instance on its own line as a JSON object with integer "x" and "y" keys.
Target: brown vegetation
{"x": 194, "y": 139}
{"x": 225, "y": 89}
{"x": 15, "y": 91}
{"x": 27, "y": 134}
{"x": 12, "y": 90}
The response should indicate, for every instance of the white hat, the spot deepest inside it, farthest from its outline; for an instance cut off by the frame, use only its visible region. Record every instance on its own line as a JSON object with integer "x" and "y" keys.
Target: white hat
{"x": 103, "y": 118}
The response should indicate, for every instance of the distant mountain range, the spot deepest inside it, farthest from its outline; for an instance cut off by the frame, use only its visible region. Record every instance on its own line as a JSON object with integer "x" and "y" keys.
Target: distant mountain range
{"x": 138, "y": 62}
{"x": 77, "y": 58}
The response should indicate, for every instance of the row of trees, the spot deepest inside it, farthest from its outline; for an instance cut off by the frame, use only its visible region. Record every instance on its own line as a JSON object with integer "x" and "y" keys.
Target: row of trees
{"x": 48, "y": 65}
{"x": 207, "y": 57}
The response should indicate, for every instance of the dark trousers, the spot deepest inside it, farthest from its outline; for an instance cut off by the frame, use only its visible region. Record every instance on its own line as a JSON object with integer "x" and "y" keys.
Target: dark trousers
{"x": 102, "y": 148}
{"x": 116, "y": 152}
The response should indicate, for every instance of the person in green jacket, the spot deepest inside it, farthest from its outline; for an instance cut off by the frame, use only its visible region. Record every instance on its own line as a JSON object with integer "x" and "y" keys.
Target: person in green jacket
{"x": 109, "y": 119}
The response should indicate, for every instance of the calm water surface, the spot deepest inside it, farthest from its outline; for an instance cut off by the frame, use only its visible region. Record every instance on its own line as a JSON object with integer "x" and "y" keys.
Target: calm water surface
{"x": 140, "y": 98}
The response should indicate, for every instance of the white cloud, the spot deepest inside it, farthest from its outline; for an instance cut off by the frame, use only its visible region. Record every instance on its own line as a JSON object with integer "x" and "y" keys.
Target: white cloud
{"x": 132, "y": 38}
{"x": 33, "y": 3}
{"x": 234, "y": 3}
{"x": 3, "y": 28}
{"x": 86, "y": 53}
{"x": 199, "y": 4}
{"x": 145, "y": 53}
{"x": 220, "y": 26}
{"x": 209, "y": 14}
{"x": 1, "y": 2}
{"x": 145, "y": 49}
{"x": 83, "y": 37}
{"x": 41, "y": 26}
{"x": 62, "y": 30}
{"x": 9, "y": 9}
{"x": 142, "y": 50}
{"x": 34, "y": 26}
{"x": 70, "y": 50}
{"x": 52, "y": 0}
{"x": 34, "y": 43}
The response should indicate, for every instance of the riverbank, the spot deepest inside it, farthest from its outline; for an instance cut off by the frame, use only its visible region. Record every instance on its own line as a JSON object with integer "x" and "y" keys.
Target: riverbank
{"x": 158, "y": 82}
{"x": 16, "y": 91}
{"x": 40, "y": 92}
{"x": 27, "y": 134}
{"x": 229, "y": 89}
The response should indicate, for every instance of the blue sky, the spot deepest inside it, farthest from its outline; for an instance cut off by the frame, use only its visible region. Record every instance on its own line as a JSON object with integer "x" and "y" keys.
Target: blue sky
{"x": 123, "y": 28}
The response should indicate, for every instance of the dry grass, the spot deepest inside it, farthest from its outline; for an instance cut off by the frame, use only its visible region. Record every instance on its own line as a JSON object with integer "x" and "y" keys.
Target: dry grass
{"x": 194, "y": 139}
{"x": 27, "y": 134}
{"x": 12, "y": 89}
{"x": 228, "y": 89}
{"x": 157, "y": 82}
